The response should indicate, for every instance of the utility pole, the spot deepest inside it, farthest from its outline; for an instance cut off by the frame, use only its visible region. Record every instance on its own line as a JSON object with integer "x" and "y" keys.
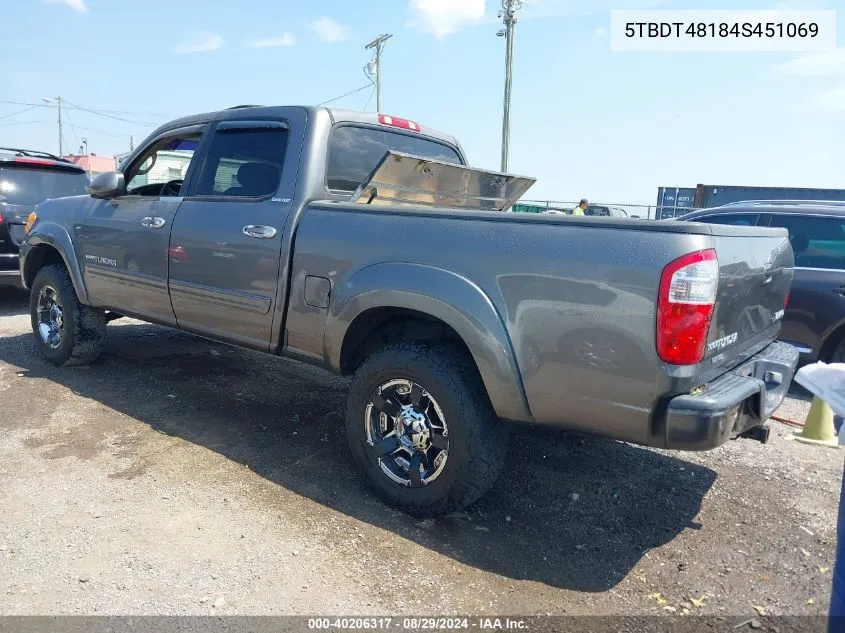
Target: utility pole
{"x": 377, "y": 44}
{"x": 508, "y": 14}
{"x": 58, "y": 102}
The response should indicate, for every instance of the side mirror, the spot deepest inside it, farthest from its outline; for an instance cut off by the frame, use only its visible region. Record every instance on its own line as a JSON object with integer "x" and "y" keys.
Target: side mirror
{"x": 109, "y": 184}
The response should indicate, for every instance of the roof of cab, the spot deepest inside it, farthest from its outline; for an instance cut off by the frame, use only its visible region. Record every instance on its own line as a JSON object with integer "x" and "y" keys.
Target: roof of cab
{"x": 336, "y": 114}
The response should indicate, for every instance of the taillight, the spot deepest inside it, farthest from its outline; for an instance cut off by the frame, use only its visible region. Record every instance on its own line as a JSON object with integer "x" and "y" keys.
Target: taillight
{"x": 685, "y": 306}
{"x": 34, "y": 161}
{"x": 397, "y": 122}
{"x": 786, "y": 301}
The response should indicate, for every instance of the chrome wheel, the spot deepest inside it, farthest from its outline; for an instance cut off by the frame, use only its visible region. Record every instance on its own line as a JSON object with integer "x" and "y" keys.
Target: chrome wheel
{"x": 50, "y": 320}
{"x": 407, "y": 433}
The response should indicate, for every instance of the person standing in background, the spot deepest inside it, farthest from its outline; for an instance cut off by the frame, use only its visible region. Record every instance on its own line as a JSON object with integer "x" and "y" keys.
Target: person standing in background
{"x": 581, "y": 208}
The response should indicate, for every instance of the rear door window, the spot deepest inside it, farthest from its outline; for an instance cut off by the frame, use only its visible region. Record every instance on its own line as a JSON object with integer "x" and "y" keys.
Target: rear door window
{"x": 735, "y": 219}
{"x": 244, "y": 162}
{"x": 29, "y": 186}
{"x": 355, "y": 151}
{"x": 817, "y": 241}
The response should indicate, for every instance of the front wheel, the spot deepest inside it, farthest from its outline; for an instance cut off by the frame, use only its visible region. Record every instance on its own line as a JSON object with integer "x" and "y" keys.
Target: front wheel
{"x": 421, "y": 427}
{"x": 66, "y": 331}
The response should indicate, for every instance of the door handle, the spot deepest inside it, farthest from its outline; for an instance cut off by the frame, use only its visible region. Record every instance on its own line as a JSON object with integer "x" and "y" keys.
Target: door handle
{"x": 840, "y": 290}
{"x": 261, "y": 232}
{"x": 152, "y": 223}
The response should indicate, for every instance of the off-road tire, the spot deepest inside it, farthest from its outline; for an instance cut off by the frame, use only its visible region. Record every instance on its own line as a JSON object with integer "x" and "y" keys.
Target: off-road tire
{"x": 84, "y": 331}
{"x": 478, "y": 439}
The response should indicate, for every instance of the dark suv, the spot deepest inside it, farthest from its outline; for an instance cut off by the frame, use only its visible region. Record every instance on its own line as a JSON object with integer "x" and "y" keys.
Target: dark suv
{"x": 28, "y": 177}
{"x": 814, "y": 321}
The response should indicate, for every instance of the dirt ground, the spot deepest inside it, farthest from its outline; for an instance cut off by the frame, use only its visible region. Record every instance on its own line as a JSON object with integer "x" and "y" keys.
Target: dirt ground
{"x": 178, "y": 476}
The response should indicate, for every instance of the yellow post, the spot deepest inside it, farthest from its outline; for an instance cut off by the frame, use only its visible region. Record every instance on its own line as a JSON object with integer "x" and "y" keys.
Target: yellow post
{"x": 819, "y": 429}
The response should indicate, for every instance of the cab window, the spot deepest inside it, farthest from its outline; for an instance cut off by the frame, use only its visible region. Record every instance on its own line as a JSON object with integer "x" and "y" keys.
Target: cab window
{"x": 354, "y": 152}
{"x": 734, "y": 219}
{"x": 244, "y": 162}
{"x": 161, "y": 169}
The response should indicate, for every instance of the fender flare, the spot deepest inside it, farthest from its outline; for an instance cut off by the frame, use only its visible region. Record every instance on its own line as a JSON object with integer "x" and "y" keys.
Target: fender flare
{"x": 446, "y": 296}
{"x": 55, "y": 235}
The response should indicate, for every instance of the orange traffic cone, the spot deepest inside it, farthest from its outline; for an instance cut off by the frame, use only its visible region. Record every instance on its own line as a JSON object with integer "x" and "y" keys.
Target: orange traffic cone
{"x": 819, "y": 429}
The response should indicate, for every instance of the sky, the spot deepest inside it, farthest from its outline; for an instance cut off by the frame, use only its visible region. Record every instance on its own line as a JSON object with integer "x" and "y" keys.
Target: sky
{"x": 585, "y": 121}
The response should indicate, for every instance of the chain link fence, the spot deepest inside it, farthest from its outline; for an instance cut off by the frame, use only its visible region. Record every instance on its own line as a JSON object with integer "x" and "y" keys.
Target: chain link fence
{"x": 643, "y": 211}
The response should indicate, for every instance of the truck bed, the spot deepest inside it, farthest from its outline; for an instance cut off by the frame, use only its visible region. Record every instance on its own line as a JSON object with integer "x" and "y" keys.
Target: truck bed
{"x": 576, "y": 296}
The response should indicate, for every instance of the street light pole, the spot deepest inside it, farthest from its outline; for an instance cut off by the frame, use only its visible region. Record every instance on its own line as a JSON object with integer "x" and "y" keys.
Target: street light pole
{"x": 378, "y": 44}
{"x": 58, "y": 102}
{"x": 509, "y": 8}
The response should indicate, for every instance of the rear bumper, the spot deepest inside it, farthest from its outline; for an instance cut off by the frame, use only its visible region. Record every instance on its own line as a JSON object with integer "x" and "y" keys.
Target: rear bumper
{"x": 740, "y": 400}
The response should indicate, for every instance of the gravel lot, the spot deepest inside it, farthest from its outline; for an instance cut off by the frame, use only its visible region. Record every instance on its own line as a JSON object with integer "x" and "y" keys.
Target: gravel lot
{"x": 178, "y": 476}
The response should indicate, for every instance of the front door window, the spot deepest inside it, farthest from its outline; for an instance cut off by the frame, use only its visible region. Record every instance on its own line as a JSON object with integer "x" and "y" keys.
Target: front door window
{"x": 161, "y": 170}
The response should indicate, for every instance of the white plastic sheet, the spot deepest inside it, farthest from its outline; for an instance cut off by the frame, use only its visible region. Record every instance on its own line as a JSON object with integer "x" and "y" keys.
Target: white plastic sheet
{"x": 827, "y": 381}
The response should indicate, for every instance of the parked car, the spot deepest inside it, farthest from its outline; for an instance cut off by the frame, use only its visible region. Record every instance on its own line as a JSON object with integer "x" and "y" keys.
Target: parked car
{"x": 364, "y": 244}
{"x": 26, "y": 178}
{"x": 815, "y": 317}
{"x": 604, "y": 211}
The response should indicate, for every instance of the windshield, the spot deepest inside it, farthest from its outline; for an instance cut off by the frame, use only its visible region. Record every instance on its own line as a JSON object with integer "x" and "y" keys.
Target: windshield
{"x": 354, "y": 153}
{"x": 31, "y": 186}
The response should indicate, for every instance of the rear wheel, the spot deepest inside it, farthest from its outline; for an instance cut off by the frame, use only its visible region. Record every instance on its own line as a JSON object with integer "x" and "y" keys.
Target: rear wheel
{"x": 422, "y": 429}
{"x": 66, "y": 332}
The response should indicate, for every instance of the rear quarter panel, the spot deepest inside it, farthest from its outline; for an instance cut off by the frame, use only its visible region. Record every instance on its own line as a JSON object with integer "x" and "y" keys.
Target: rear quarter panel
{"x": 576, "y": 298}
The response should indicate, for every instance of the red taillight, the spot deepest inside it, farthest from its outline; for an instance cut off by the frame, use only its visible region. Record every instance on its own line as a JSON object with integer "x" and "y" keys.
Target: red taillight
{"x": 786, "y": 301}
{"x": 405, "y": 124}
{"x": 685, "y": 306}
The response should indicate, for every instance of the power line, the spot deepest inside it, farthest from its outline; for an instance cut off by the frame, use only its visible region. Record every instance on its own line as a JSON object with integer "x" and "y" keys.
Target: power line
{"x": 72, "y": 129}
{"x": 6, "y": 116}
{"x": 370, "y": 98}
{"x": 31, "y": 122}
{"x": 369, "y": 85}
{"x": 109, "y": 116}
{"x": 96, "y": 131}
{"x": 155, "y": 114}
{"x": 93, "y": 110}
{"x": 24, "y": 103}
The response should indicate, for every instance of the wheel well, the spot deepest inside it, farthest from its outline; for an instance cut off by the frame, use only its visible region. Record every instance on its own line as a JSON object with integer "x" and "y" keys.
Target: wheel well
{"x": 41, "y": 256}
{"x": 832, "y": 343}
{"x": 378, "y": 327}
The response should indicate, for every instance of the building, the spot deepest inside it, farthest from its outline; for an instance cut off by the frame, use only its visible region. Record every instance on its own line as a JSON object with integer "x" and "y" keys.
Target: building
{"x": 93, "y": 164}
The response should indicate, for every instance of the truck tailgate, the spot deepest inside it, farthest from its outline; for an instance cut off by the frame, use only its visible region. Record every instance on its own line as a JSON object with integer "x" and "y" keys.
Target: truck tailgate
{"x": 755, "y": 274}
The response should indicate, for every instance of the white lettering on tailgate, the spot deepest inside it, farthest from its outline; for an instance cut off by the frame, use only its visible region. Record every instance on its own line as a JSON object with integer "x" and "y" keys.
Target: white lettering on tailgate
{"x": 722, "y": 343}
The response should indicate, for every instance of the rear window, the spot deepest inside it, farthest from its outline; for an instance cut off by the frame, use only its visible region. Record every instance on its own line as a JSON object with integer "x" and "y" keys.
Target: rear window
{"x": 735, "y": 219}
{"x": 30, "y": 186}
{"x": 244, "y": 163}
{"x": 817, "y": 242}
{"x": 354, "y": 153}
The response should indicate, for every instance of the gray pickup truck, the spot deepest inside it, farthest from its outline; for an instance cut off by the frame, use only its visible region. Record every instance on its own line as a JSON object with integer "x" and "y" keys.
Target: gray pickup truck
{"x": 363, "y": 243}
